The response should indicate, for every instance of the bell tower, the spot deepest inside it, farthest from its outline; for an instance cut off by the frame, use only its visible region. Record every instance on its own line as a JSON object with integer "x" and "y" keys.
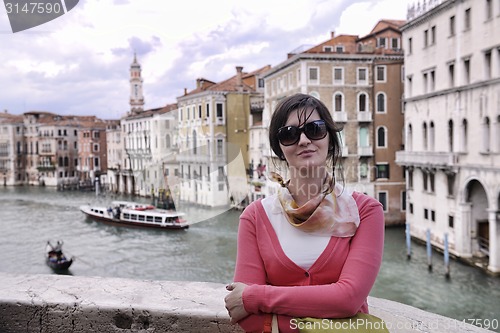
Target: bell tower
{"x": 136, "y": 95}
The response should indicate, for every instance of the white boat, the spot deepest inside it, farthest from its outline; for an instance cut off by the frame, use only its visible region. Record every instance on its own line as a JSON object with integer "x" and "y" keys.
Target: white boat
{"x": 128, "y": 213}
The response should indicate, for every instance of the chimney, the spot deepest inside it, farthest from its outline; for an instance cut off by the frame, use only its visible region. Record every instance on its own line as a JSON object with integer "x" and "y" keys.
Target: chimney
{"x": 185, "y": 91}
{"x": 199, "y": 83}
{"x": 239, "y": 80}
{"x": 332, "y": 34}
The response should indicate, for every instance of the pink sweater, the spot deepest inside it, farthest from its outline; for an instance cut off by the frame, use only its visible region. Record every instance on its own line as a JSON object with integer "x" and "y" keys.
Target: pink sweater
{"x": 336, "y": 285}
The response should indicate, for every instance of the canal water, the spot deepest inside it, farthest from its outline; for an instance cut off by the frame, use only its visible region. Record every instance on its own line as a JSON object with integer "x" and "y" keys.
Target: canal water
{"x": 29, "y": 216}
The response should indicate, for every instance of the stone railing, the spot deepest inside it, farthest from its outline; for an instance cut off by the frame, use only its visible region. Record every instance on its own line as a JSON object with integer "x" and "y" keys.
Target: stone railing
{"x": 61, "y": 303}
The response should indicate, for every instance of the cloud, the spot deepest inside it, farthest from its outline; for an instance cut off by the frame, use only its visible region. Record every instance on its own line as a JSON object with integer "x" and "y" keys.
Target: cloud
{"x": 138, "y": 46}
{"x": 79, "y": 63}
{"x": 361, "y": 17}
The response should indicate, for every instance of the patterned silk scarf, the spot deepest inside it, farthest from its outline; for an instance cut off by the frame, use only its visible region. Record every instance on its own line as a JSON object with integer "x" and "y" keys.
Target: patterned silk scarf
{"x": 333, "y": 212}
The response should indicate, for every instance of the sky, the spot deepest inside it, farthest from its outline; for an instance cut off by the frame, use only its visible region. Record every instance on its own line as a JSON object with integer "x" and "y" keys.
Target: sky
{"x": 78, "y": 63}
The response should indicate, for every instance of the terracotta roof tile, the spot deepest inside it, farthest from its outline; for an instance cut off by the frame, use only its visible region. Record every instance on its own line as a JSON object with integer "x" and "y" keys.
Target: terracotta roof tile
{"x": 229, "y": 85}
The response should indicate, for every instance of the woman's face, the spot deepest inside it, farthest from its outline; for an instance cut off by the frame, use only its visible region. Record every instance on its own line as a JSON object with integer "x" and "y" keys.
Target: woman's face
{"x": 305, "y": 153}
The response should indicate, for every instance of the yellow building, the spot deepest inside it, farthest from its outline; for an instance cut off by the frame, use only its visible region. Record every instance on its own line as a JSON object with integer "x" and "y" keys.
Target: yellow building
{"x": 214, "y": 119}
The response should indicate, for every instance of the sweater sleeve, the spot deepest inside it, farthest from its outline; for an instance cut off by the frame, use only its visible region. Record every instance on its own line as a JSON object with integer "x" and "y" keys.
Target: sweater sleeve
{"x": 249, "y": 265}
{"x": 343, "y": 298}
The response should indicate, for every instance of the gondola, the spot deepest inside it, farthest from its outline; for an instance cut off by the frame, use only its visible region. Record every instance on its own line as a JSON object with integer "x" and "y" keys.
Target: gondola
{"x": 55, "y": 258}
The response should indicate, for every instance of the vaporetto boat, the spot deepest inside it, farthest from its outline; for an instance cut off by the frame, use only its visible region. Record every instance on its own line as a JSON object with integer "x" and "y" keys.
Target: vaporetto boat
{"x": 132, "y": 214}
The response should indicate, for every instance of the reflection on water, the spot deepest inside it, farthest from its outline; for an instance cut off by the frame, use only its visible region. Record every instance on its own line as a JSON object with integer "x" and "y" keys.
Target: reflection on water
{"x": 206, "y": 252}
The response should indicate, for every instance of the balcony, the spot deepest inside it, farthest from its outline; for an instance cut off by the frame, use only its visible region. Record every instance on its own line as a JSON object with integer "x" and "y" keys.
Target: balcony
{"x": 46, "y": 152}
{"x": 365, "y": 151}
{"x": 256, "y": 104}
{"x": 345, "y": 151}
{"x": 429, "y": 159}
{"x": 201, "y": 158}
{"x": 365, "y": 116}
{"x": 46, "y": 168}
{"x": 340, "y": 116}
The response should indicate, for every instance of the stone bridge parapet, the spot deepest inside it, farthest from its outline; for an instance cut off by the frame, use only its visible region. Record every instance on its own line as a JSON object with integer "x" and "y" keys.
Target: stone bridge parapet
{"x": 77, "y": 304}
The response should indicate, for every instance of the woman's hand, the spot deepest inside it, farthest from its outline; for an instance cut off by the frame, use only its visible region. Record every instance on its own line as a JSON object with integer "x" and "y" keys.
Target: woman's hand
{"x": 234, "y": 302}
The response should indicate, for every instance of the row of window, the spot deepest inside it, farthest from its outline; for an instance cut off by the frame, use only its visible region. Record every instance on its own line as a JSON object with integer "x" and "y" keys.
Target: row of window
{"x": 46, "y": 147}
{"x": 429, "y": 35}
{"x": 383, "y": 198}
{"x": 361, "y": 77}
{"x": 64, "y": 161}
{"x": 429, "y": 38}
{"x": 60, "y": 132}
{"x": 428, "y": 181}
{"x": 490, "y": 135}
{"x": 93, "y": 134}
{"x": 189, "y": 172}
{"x": 429, "y": 76}
{"x": 382, "y": 42}
{"x": 138, "y": 142}
{"x": 338, "y": 73}
{"x": 203, "y": 148}
{"x": 362, "y": 102}
{"x": 144, "y": 218}
{"x": 430, "y": 214}
{"x": 196, "y": 112}
{"x": 135, "y": 127}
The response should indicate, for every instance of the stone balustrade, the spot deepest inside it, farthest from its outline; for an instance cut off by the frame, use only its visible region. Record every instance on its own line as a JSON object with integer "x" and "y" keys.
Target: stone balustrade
{"x": 63, "y": 303}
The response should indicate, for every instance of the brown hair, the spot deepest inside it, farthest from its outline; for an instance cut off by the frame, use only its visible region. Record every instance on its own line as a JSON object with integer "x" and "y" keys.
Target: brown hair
{"x": 303, "y": 103}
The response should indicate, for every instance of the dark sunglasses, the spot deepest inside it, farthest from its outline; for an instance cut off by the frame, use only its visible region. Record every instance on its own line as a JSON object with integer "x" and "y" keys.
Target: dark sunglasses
{"x": 290, "y": 135}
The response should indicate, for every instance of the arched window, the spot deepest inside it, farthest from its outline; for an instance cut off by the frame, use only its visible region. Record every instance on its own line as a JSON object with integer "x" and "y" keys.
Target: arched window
{"x": 431, "y": 136}
{"x": 409, "y": 138}
{"x": 363, "y": 170}
{"x": 463, "y": 137}
{"x": 424, "y": 136}
{"x": 66, "y": 161}
{"x": 450, "y": 136}
{"x": 381, "y": 137}
{"x": 381, "y": 107}
{"x": 363, "y": 137}
{"x": 486, "y": 135}
{"x": 496, "y": 139}
{"x": 61, "y": 162}
{"x": 338, "y": 102}
{"x": 362, "y": 102}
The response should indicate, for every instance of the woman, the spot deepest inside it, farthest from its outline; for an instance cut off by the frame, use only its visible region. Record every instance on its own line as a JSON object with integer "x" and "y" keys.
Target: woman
{"x": 312, "y": 249}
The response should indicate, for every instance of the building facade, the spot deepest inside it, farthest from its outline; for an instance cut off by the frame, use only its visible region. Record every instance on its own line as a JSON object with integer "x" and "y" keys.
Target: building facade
{"x": 43, "y": 148}
{"x": 164, "y": 167}
{"x": 12, "y": 157}
{"x": 52, "y": 148}
{"x": 114, "y": 144}
{"x": 452, "y": 125}
{"x": 142, "y": 145}
{"x": 359, "y": 80}
{"x": 213, "y": 140}
{"x": 92, "y": 151}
